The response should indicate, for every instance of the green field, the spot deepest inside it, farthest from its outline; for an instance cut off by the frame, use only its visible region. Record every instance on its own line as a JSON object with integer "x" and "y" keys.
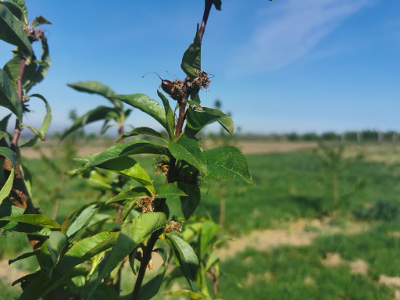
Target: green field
{"x": 288, "y": 189}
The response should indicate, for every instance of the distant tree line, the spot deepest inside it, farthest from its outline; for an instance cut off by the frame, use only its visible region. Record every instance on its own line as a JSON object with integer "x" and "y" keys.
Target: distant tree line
{"x": 329, "y": 136}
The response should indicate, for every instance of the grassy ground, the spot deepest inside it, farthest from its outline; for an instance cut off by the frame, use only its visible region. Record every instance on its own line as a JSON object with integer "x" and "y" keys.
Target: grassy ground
{"x": 287, "y": 188}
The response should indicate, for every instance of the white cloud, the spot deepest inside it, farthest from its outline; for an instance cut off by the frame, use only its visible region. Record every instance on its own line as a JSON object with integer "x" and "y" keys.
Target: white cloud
{"x": 289, "y": 31}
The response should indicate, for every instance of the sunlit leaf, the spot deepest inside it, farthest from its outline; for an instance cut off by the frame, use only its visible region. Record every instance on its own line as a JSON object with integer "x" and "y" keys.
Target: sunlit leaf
{"x": 132, "y": 234}
{"x": 227, "y": 163}
{"x": 145, "y": 104}
{"x": 81, "y": 219}
{"x": 37, "y": 220}
{"x": 6, "y": 189}
{"x": 135, "y": 147}
{"x": 136, "y": 192}
{"x": 45, "y": 125}
{"x": 225, "y": 120}
{"x": 187, "y": 149}
{"x": 168, "y": 191}
{"x": 95, "y": 87}
{"x": 146, "y": 131}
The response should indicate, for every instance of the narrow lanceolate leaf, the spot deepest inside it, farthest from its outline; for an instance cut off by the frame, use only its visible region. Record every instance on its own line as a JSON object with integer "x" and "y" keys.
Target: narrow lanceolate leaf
{"x": 6, "y": 210}
{"x": 192, "y": 58}
{"x": 37, "y": 220}
{"x": 95, "y": 87}
{"x": 132, "y": 234}
{"x": 40, "y": 21}
{"x": 97, "y": 114}
{"x": 146, "y": 105}
{"x": 130, "y": 167}
{"x": 187, "y": 149}
{"x": 142, "y": 131}
{"x": 4, "y": 122}
{"x": 169, "y": 115}
{"x": 16, "y": 10}
{"x": 22, "y": 256}
{"x": 132, "y": 194}
{"x": 8, "y": 94}
{"x": 11, "y": 31}
{"x": 35, "y": 131}
{"x": 225, "y": 120}
{"x": 81, "y": 220}
{"x": 85, "y": 249}
{"x": 45, "y": 125}
{"x": 42, "y": 70}
{"x": 184, "y": 256}
{"x": 168, "y": 191}
{"x": 56, "y": 243}
{"x": 227, "y": 163}
{"x": 21, "y": 4}
{"x": 6, "y": 189}
{"x": 45, "y": 259}
{"x": 135, "y": 147}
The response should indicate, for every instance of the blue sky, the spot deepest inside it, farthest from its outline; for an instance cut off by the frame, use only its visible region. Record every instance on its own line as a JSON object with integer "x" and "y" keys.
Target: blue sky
{"x": 282, "y": 66}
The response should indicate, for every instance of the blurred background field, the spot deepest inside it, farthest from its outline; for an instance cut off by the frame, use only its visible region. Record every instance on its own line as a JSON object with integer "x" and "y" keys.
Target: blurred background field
{"x": 321, "y": 222}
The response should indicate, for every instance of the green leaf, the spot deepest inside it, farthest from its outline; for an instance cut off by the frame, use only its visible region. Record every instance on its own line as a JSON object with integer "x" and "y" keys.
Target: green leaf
{"x": 97, "y": 180}
{"x": 8, "y": 95}
{"x": 191, "y": 60}
{"x": 212, "y": 260}
{"x": 187, "y": 149}
{"x": 146, "y": 105}
{"x": 225, "y": 120}
{"x": 16, "y": 10}
{"x": 192, "y": 201}
{"x": 4, "y": 122}
{"x": 9, "y": 210}
{"x": 45, "y": 259}
{"x": 97, "y": 114}
{"x": 170, "y": 119}
{"x": 196, "y": 120}
{"x": 168, "y": 191}
{"x": 22, "y": 256}
{"x": 130, "y": 167}
{"x": 44, "y": 66}
{"x": 22, "y": 7}
{"x": 45, "y": 125}
{"x": 56, "y": 243}
{"x": 135, "y": 147}
{"x": 36, "y": 132}
{"x": 6, "y": 189}
{"x": 11, "y": 31}
{"x": 208, "y": 234}
{"x": 85, "y": 249}
{"x": 136, "y": 192}
{"x": 142, "y": 131}
{"x": 184, "y": 255}
{"x": 227, "y": 163}
{"x": 217, "y": 4}
{"x": 39, "y": 21}
{"x": 41, "y": 285}
{"x": 95, "y": 87}
{"x": 37, "y": 220}
{"x": 81, "y": 220}
{"x": 132, "y": 234}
